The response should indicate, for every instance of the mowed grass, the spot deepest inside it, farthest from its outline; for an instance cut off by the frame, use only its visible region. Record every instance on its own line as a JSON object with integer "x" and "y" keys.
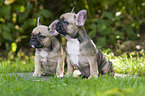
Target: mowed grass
{"x": 14, "y": 85}
{"x": 17, "y": 65}
{"x": 125, "y": 64}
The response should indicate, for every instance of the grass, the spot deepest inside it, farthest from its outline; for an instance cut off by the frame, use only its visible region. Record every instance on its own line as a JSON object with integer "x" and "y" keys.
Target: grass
{"x": 131, "y": 63}
{"x": 15, "y": 85}
{"x": 125, "y": 64}
{"x": 16, "y": 65}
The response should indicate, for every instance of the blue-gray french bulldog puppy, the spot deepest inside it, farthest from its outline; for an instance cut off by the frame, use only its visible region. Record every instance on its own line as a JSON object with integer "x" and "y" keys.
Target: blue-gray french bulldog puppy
{"x": 49, "y": 55}
{"x": 81, "y": 50}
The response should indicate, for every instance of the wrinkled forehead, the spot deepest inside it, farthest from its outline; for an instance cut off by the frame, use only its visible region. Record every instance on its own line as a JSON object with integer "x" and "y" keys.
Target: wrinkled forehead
{"x": 41, "y": 29}
{"x": 69, "y": 17}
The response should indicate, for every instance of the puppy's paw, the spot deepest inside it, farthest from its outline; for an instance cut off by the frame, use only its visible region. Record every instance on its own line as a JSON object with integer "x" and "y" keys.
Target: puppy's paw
{"x": 37, "y": 74}
{"x": 67, "y": 75}
{"x": 89, "y": 77}
{"x": 92, "y": 77}
{"x": 44, "y": 73}
{"x": 60, "y": 75}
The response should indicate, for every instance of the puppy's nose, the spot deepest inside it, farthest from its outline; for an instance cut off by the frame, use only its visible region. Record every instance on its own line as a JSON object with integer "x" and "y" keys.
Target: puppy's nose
{"x": 33, "y": 38}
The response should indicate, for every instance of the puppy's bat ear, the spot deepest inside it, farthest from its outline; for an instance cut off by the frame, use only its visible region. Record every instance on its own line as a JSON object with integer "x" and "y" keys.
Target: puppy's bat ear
{"x": 38, "y": 21}
{"x": 52, "y": 27}
{"x": 72, "y": 11}
{"x": 81, "y": 17}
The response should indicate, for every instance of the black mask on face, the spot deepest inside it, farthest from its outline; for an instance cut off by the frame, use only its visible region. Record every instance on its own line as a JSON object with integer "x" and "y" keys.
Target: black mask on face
{"x": 61, "y": 26}
{"x": 35, "y": 41}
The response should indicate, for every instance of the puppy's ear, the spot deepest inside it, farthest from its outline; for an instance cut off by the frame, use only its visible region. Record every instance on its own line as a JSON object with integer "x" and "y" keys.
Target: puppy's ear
{"x": 81, "y": 17}
{"x": 52, "y": 27}
{"x": 72, "y": 11}
{"x": 38, "y": 21}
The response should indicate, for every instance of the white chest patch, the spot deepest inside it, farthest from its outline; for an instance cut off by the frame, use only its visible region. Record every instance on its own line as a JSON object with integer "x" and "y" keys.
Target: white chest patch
{"x": 43, "y": 54}
{"x": 73, "y": 47}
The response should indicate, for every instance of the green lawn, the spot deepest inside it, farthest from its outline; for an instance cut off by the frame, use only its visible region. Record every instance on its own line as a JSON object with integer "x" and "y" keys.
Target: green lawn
{"x": 16, "y": 65}
{"x": 15, "y": 85}
{"x": 125, "y": 64}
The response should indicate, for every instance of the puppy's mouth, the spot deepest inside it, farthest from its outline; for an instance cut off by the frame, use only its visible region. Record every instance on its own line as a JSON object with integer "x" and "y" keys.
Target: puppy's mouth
{"x": 32, "y": 46}
{"x": 36, "y": 45}
{"x": 39, "y": 46}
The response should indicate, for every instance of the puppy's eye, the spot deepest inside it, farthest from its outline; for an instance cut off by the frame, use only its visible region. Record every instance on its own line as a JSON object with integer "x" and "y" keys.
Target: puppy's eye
{"x": 41, "y": 36}
{"x": 65, "y": 22}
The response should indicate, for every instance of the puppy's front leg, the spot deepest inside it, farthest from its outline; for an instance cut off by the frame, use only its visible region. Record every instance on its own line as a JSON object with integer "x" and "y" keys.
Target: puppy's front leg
{"x": 93, "y": 67}
{"x": 37, "y": 71}
{"x": 69, "y": 67}
{"x": 60, "y": 67}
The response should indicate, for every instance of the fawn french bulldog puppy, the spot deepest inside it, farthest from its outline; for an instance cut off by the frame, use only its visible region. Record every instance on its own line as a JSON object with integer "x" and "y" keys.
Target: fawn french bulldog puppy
{"x": 81, "y": 50}
{"x": 49, "y": 55}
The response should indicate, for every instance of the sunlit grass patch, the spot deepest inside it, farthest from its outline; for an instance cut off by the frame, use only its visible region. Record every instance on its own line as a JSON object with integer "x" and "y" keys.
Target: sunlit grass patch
{"x": 129, "y": 64}
{"x": 124, "y": 64}
{"x": 16, "y": 65}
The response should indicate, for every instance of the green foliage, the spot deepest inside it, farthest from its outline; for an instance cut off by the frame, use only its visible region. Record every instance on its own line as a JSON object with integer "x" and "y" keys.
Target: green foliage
{"x": 5, "y": 11}
{"x": 115, "y": 20}
{"x": 17, "y": 19}
{"x": 108, "y": 15}
{"x": 118, "y": 20}
{"x": 101, "y": 41}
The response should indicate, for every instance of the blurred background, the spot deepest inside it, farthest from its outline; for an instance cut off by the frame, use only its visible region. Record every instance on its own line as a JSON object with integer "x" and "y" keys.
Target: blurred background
{"x": 114, "y": 25}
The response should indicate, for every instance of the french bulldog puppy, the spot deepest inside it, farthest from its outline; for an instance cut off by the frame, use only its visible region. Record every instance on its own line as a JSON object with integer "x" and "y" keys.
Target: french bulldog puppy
{"x": 81, "y": 50}
{"x": 49, "y": 55}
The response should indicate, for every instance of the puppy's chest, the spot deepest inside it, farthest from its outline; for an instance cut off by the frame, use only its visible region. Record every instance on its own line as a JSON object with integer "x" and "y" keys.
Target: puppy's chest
{"x": 43, "y": 54}
{"x": 46, "y": 56}
{"x": 73, "y": 49}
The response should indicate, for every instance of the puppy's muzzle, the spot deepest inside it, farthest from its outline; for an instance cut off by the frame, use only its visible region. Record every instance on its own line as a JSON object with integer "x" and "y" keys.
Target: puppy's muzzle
{"x": 35, "y": 42}
{"x": 61, "y": 26}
